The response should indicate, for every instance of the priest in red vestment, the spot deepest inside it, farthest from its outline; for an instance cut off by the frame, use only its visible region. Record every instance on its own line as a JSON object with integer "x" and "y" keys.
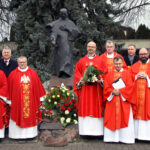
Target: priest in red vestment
{"x": 3, "y": 100}
{"x": 141, "y": 76}
{"x": 90, "y": 99}
{"x": 118, "y": 118}
{"x": 109, "y": 55}
{"x": 26, "y": 93}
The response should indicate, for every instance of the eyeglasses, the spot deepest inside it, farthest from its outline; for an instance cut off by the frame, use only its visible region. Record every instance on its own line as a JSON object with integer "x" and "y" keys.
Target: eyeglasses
{"x": 144, "y": 54}
{"x": 117, "y": 64}
{"x": 22, "y": 62}
{"x": 91, "y": 46}
{"x": 109, "y": 47}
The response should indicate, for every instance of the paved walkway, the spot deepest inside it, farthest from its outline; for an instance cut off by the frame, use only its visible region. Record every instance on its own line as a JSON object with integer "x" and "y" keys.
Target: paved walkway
{"x": 83, "y": 144}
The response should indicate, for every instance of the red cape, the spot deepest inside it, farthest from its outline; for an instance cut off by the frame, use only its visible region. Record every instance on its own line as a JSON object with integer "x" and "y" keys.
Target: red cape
{"x": 3, "y": 93}
{"x": 117, "y": 111}
{"x": 90, "y": 99}
{"x": 104, "y": 58}
{"x": 146, "y": 105}
{"x": 25, "y": 113}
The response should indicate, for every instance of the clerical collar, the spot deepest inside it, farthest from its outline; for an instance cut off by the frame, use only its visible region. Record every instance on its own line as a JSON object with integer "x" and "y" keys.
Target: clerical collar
{"x": 91, "y": 57}
{"x": 120, "y": 70}
{"x": 110, "y": 55}
{"x": 23, "y": 70}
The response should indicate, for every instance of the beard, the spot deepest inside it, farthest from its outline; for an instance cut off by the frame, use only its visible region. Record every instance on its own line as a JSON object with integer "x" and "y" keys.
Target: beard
{"x": 144, "y": 60}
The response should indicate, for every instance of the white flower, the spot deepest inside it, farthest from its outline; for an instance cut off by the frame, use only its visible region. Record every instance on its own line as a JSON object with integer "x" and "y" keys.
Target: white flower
{"x": 66, "y": 112}
{"x": 68, "y": 94}
{"x": 53, "y": 96}
{"x": 49, "y": 100}
{"x": 94, "y": 78}
{"x": 74, "y": 115}
{"x": 55, "y": 103}
{"x": 58, "y": 96}
{"x": 62, "y": 85}
{"x": 68, "y": 120}
{"x": 62, "y": 119}
{"x": 75, "y": 121}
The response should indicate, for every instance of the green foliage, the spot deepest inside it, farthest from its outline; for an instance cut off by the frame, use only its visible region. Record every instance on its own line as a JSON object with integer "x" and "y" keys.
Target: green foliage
{"x": 63, "y": 101}
{"x": 143, "y": 32}
{"x": 92, "y": 73}
{"x": 92, "y": 18}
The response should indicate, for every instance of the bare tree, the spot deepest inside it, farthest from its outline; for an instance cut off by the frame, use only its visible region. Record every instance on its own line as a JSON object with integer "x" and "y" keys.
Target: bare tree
{"x": 132, "y": 10}
{"x": 6, "y": 19}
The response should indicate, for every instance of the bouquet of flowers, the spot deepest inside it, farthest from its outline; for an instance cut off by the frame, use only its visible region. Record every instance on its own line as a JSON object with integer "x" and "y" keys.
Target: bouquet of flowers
{"x": 92, "y": 73}
{"x": 63, "y": 101}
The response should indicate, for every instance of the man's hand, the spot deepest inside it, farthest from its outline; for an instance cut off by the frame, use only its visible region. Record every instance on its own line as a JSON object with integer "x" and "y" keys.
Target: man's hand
{"x": 82, "y": 81}
{"x": 116, "y": 92}
{"x": 100, "y": 81}
{"x": 141, "y": 75}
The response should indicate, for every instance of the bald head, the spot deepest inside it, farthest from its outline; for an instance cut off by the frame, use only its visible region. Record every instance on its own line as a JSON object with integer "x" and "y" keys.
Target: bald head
{"x": 91, "y": 48}
{"x": 143, "y": 55}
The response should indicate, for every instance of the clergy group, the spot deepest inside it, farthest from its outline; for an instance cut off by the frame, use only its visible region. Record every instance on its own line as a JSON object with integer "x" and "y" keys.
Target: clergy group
{"x": 21, "y": 95}
{"x": 116, "y": 106}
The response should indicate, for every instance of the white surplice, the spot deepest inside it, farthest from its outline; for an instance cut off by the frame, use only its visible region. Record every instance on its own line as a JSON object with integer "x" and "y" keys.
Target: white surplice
{"x": 91, "y": 126}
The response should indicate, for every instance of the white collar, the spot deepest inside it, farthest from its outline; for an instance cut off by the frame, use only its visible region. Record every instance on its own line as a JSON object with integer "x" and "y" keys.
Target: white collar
{"x": 147, "y": 61}
{"x": 23, "y": 70}
{"x": 110, "y": 55}
{"x": 91, "y": 57}
{"x": 120, "y": 70}
{"x": 6, "y": 60}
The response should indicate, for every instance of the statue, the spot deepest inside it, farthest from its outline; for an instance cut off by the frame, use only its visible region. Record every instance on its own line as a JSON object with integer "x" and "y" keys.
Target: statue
{"x": 62, "y": 33}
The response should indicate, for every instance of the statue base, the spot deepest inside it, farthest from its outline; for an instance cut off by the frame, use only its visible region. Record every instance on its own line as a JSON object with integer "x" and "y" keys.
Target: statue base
{"x": 55, "y": 81}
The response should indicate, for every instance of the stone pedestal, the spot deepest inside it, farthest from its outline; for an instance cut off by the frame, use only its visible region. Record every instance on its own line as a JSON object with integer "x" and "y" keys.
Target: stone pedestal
{"x": 55, "y": 81}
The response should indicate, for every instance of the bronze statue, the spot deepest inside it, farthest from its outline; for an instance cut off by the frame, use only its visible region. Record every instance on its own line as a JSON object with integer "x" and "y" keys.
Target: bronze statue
{"x": 62, "y": 33}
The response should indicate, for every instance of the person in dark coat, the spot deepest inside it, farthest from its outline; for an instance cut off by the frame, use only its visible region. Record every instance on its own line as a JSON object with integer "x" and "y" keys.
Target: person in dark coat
{"x": 7, "y": 65}
{"x": 131, "y": 58}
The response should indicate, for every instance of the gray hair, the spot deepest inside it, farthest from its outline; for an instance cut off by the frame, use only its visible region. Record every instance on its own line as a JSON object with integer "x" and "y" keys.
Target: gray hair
{"x": 20, "y": 57}
{"x": 109, "y": 41}
{"x": 6, "y": 47}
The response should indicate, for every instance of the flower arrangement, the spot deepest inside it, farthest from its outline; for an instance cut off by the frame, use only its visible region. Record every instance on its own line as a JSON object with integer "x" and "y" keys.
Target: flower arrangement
{"x": 63, "y": 101}
{"x": 92, "y": 73}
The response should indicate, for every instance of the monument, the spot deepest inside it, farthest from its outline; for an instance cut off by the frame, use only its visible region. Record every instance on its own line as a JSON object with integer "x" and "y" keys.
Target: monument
{"x": 62, "y": 34}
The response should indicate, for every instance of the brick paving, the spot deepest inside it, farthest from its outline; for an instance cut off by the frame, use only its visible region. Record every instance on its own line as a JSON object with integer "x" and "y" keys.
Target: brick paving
{"x": 81, "y": 144}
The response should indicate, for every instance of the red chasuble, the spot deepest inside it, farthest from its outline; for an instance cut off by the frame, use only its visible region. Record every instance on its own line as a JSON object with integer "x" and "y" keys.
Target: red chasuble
{"x": 141, "y": 93}
{"x": 3, "y": 93}
{"x": 117, "y": 111}
{"x": 109, "y": 61}
{"x": 90, "y": 99}
{"x": 25, "y": 90}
